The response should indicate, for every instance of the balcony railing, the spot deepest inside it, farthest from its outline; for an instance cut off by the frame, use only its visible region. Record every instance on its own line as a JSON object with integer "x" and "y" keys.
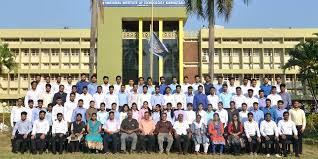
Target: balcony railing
{"x": 145, "y": 35}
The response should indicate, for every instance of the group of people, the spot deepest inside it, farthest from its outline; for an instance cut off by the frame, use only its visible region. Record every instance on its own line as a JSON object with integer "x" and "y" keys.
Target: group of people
{"x": 107, "y": 118}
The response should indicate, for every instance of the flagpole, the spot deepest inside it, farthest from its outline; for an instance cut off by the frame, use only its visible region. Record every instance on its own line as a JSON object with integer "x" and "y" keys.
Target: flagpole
{"x": 151, "y": 33}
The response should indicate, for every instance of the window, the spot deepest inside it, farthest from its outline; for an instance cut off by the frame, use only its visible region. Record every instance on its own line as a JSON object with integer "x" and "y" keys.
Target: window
{"x": 74, "y": 64}
{"x": 86, "y": 52}
{"x": 247, "y": 52}
{"x": 236, "y": 54}
{"x": 15, "y": 51}
{"x": 268, "y": 52}
{"x": 25, "y": 52}
{"x": 34, "y": 64}
{"x": 226, "y": 52}
{"x": 25, "y": 77}
{"x": 217, "y": 52}
{"x": 55, "y": 52}
{"x": 256, "y": 52}
{"x": 75, "y": 52}
{"x": 46, "y": 64}
{"x": 66, "y": 65}
{"x": 26, "y": 64}
{"x": 257, "y": 77}
{"x": 45, "y": 52}
{"x": 54, "y": 64}
{"x": 35, "y": 52}
{"x": 50, "y": 39}
{"x": 66, "y": 52}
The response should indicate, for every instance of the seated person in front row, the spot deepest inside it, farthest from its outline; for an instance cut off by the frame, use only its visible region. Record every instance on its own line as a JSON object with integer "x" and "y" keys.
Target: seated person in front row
{"x": 21, "y": 134}
{"x": 59, "y": 130}
{"x": 77, "y": 132}
{"x": 235, "y": 130}
{"x": 182, "y": 131}
{"x": 93, "y": 138}
{"x": 252, "y": 134}
{"x": 288, "y": 134}
{"x": 147, "y": 128}
{"x": 164, "y": 130}
{"x": 198, "y": 129}
{"x": 39, "y": 133}
{"x": 129, "y": 128}
{"x": 216, "y": 131}
{"x": 111, "y": 133}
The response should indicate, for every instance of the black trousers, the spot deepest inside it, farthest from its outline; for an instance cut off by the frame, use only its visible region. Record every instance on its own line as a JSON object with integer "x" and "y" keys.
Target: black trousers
{"x": 185, "y": 144}
{"x": 300, "y": 139}
{"x": 147, "y": 142}
{"x": 20, "y": 144}
{"x": 58, "y": 142}
{"x": 285, "y": 142}
{"x": 114, "y": 139}
{"x": 38, "y": 144}
{"x": 74, "y": 146}
{"x": 254, "y": 144}
{"x": 274, "y": 145}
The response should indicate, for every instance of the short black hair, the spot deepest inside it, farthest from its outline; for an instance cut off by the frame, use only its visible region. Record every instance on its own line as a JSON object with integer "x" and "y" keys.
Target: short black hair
{"x": 24, "y": 113}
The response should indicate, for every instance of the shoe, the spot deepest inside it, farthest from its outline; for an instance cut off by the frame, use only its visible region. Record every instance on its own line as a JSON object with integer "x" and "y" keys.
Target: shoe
{"x": 123, "y": 152}
{"x": 160, "y": 152}
{"x": 297, "y": 156}
{"x": 251, "y": 153}
{"x": 278, "y": 156}
{"x": 268, "y": 155}
{"x": 197, "y": 153}
{"x": 168, "y": 153}
{"x": 285, "y": 155}
{"x": 255, "y": 154}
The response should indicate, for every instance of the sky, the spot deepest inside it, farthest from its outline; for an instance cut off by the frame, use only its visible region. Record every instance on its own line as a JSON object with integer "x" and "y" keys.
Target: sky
{"x": 76, "y": 14}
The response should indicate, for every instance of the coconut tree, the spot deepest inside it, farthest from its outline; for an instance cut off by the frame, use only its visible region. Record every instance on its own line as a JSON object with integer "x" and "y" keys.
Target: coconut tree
{"x": 305, "y": 57}
{"x": 208, "y": 9}
{"x": 97, "y": 11}
{"x": 7, "y": 59}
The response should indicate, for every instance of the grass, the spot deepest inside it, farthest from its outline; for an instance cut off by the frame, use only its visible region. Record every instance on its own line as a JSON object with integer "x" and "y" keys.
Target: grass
{"x": 310, "y": 151}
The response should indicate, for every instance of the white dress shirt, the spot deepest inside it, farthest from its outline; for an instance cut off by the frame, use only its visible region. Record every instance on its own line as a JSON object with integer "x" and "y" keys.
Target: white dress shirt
{"x": 77, "y": 97}
{"x": 184, "y": 87}
{"x": 47, "y": 98}
{"x": 59, "y": 127}
{"x": 245, "y": 89}
{"x": 231, "y": 89}
{"x": 15, "y": 115}
{"x": 30, "y": 113}
{"x": 116, "y": 88}
{"x": 202, "y": 113}
{"x": 55, "y": 87}
{"x": 68, "y": 110}
{"x": 224, "y": 118}
{"x": 274, "y": 98}
{"x": 40, "y": 127}
{"x": 255, "y": 91}
{"x": 57, "y": 109}
{"x": 180, "y": 98}
{"x": 128, "y": 89}
{"x": 144, "y": 97}
{"x": 111, "y": 125}
{"x": 98, "y": 98}
{"x": 268, "y": 128}
{"x": 190, "y": 116}
{"x": 287, "y": 128}
{"x": 243, "y": 116}
{"x": 238, "y": 99}
{"x": 105, "y": 88}
{"x": 40, "y": 88}
{"x": 169, "y": 98}
{"x": 214, "y": 100}
{"x": 181, "y": 127}
{"x": 87, "y": 98}
{"x": 68, "y": 88}
{"x": 111, "y": 98}
{"x": 249, "y": 101}
{"x": 31, "y": 94}
{"x": 133, "y": 98}
{"x": 251, "y": 129}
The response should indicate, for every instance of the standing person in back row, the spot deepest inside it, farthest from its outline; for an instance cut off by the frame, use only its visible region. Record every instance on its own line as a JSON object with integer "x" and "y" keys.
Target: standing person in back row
{"x": 297, "y": 115}
{"x": 266, "y": 87}
{"x": 200, "y": 97}
{"x": 82, "y": 83}
{"x": 225, "y": 97}
{"x": 92, "y": 86}
{"x": 207, "y": 85}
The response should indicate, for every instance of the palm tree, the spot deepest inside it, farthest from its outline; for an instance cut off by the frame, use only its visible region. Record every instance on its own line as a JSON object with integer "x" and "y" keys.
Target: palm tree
{"x": 7, "y": 59}
{"x": 97, "y": 11}
{"x": 207, "y": 9}
{"x": 305, "y": 56}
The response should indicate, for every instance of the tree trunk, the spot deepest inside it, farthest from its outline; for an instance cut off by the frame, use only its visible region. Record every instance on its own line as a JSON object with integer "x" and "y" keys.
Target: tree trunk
{"x": 211, "y": 44}
{"x": 93, "y": 37}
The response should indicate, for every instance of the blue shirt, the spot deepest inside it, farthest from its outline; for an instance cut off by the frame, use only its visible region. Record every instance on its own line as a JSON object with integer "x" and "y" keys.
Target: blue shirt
{"x": 22, "y": 127}
{"x": 151, "y": 89}
{"x": 35, "y": 114}
{"x": 207, "y": 87}
{"x": 226, "y": 99}
{"x": 261, "y": 103}
{"x": 173, "y": 87}
{"x": 123, "y": 98}
{"x": 140, "y": 88}
{"x": 209, "y": 116}
{"x": 157, "y": 99}
{"x": 102, "y": 116}
{"x": 155, "y": 117}
{"x": 272, "y": 111}
{"x": 163, "y": 89}
{"x": 80, "y": 85}
{"x": 189, "y": 98}
{"x": 81, "y": 111}
{"x": 266, "y": 88}
{"x": 200, "y": 98}
{"x": 218, "y": 88}
{"x": 280, "y": 113}
{"x": 258, "y": 116}
{"x": 92, "y": 88}
{"x": 48, "y": 117}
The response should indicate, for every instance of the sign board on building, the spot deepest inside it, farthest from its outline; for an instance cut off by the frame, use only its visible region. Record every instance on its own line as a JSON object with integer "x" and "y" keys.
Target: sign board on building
{"x": 143, "y": 3}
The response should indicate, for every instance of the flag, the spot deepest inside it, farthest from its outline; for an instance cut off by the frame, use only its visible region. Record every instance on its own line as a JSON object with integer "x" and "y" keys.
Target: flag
{"x": 156, "y": 46}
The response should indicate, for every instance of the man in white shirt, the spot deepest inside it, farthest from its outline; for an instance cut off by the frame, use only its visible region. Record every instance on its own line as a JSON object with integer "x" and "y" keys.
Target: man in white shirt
{"x": 278, "y": 83}
{"x": 74, "y": 90}
{"x": 99, "y": 97}
{"x": 180, "y": 97}
{"x": 58, "y": 108}
{"x": 269, "y": 132}
{"x": 40, "y": 86}
{"x": 182, "y": 130}
{"x": 16, "y": 111}
{"x": 68, "y": 85}
{"x": 117, "y": 84}
{"x": 250, "y": 99}
{"x": 197, "y": 84}
{"x": 32, "y": 94}
{"x": 69, "y": 108}
{"x": 190, "y": 115}
{"x": 288, "y": 133}
{"x": 144, "y": 96}
{"x": 231, "y": 85}
{"x": 111, "y": 129}
{"x": 245, "y": 86}
{"x": 255, "y": 88}
{"x": 185, "y": 85}
{"x": 252, "y": 134}
{"x": 169, "y": 98}
{"x": 105, "y": 85}
{"x": 55, "y": 86}
{"x": 47, "y": 96}
{"x": 244, "y": 113}
{"x": 40, "y": 129}
{"x": 213, "y": 98}
{"x": 274, "y": 97}
{"x": 59, "y": 130}
{"x": 130, "y": 86}
{"x": 133, "y": 96}
{"x": 189, "y": 95}
{"x": 111, "y": 98}
{"x": 29, "y": 109}
{"x": 223, "y": 114}
{"x": 238, "y": 98}
{"x": 86, "y": 97}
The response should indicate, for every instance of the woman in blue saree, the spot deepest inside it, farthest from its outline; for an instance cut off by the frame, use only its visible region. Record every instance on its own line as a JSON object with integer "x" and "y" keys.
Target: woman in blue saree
{"x": 93, "y": 138}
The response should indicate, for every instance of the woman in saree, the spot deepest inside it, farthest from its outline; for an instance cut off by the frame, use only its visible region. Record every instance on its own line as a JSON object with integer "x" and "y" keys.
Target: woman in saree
{"x": 216, "y": 131}
{"x": 94, "y": 139}
{"x": 199, "y": 135}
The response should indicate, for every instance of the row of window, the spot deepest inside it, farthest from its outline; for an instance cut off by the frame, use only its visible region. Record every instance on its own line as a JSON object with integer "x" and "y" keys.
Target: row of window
{"x": 247, "y": 52}
{"x": 259, "y": 40}
{"x": 45, "y": 39}
{"x": 53, "y": 52}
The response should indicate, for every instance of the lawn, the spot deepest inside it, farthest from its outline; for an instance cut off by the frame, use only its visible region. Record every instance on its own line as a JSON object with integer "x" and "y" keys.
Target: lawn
{"x": 311, "y": 151}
